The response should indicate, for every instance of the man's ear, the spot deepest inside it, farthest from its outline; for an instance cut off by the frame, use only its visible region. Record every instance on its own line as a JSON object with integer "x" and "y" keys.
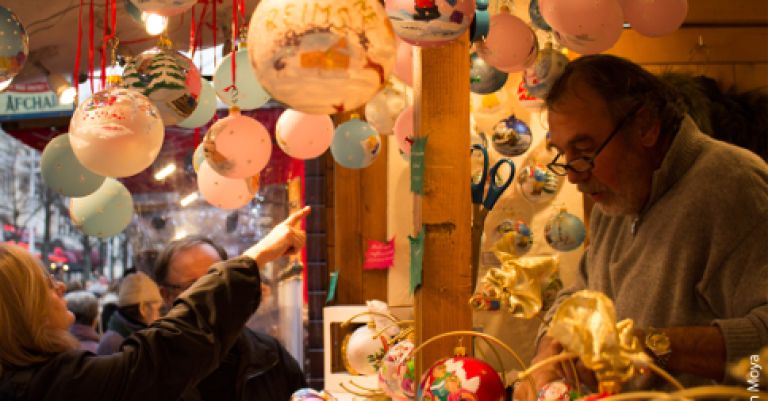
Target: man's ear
{"x": 650, "y": 128}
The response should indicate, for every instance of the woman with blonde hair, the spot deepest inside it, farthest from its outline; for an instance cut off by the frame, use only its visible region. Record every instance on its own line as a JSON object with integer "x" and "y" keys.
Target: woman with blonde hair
{"x": 39, "y": 359}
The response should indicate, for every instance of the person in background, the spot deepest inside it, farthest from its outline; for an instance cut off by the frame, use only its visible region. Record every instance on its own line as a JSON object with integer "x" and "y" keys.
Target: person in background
{"x": 85, "y": 307}
{"x": 39, "y": 359}
{"x": 138, "y": 305}
{"x": 679, "y": 229}
{"x": 258, "y": 367}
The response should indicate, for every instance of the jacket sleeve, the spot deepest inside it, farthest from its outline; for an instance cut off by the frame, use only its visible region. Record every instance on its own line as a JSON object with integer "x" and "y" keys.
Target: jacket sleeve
{"x": 175, "y": 352}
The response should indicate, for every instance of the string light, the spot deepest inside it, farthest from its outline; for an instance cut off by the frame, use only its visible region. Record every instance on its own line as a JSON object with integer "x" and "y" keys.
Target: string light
{"x": 154, "y": 24}
{"x": 185, "y": 201}
{"x": 165, "y": 171}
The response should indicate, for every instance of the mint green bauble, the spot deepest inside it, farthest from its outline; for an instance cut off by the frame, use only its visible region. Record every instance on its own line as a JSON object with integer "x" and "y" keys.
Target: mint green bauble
{"x": 63, "y": 173}
{"x": 105, "y": 212}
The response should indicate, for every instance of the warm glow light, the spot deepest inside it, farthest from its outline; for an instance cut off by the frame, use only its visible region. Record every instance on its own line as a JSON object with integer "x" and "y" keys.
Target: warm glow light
{"x": 53, "y": 266}
{"x": 153, "y": 23}
{"x": 5, "y": 84}
{"x": 180, "y": 234}
{"x": 185, "y": 201}
{"x": 165, "y": 171}
{"x": 68, "y": 95}
{"x": 66, "y": 268}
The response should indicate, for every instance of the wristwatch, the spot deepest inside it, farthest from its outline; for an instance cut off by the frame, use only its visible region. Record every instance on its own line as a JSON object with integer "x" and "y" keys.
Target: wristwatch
{"x": 658, "y": 343}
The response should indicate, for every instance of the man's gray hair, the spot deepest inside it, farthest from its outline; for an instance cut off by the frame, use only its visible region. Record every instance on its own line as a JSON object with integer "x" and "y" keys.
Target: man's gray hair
{"x": 83, "y": 305}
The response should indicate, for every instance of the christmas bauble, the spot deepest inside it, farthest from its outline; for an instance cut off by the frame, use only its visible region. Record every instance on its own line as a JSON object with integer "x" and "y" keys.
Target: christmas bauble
{"x": 537, "y": 183}
{"x": 483, "y": 78}
{"x": 511, "y": 136}
{"x": 382, "y": 110}
{"x": 303, "y": 136}
{"x": 362, "y": 350}
{"x": 527, "y": 100}
{"x": 331, "y": 57}
{"x": 105, "y": 212}
{"x": 397, "y": 377}
{"x": 430, "y": 22}
{"x": 198, "y": 157}
{"x": 516, "y": 237}
{"x": 237, "y": 146}
{"x": 63, "y": 173}
{"x": 555, "y": 391}
{"x": 536, "y": 18}
{"x": 310, "y": 394}
{"x": 511, "y": 45}
{"x": 460, "y": 378}
{"x": 655, "y": 18}
{"x": 14, "y": 45}
{"x": 564, "y": 232}
{"x": 205, "y": 109}
{"x": 547, "y": 68}
{"x": 116, "y": 132}
{"x": 248, "y": 93}
{"x": 167, "y": 8}
{"x": 355, "y": 144}
{"x": 223, "y": 192}
{"x": 168, "y": 78}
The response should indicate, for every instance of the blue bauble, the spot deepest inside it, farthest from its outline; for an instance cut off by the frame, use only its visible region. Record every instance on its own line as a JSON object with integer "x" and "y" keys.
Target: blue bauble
{"x": 511, "y": 136}
{"x": 105, "y": 212}
{"x": 565, "y": 232}
{"x": 547, "y": 68}
{"x": 483, "y": 78}
{"x": 14, "y": 45}
{"x": 355, "y": 144}
{"x": 536, "y": 18}
{"x": 63, "y": 173}
{"x": 205, "y": 109}
{"x": 250, "y": 94}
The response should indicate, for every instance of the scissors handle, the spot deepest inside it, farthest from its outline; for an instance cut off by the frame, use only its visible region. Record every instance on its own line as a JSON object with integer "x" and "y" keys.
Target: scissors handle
{"x": 494, "y": 190}
{"x": 479, "y": 187}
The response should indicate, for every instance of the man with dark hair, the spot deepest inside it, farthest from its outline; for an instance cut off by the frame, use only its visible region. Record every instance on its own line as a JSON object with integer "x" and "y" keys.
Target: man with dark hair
{"x": 257, "y": 367}
{"x": 85, "y": 307}
{"x": 680, "y": 224}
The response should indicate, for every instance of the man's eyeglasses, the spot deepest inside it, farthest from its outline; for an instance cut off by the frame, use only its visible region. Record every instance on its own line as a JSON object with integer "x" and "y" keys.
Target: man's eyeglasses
{"x": 586, "y": 163}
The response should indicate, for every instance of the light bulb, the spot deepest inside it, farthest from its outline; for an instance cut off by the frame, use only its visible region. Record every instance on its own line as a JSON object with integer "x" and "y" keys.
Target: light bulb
{"x": 68, "y": 95}
{"x": 185, "y": 201}
{"x": 165, "y": 171}
{"x": 154, "y": 24}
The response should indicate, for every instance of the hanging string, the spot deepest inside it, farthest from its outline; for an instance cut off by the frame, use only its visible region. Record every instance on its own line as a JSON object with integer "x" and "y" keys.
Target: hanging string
{"x": 76, "y": 69}
{"x": 192, "y": 33}
{"x": 233, "y": 54}
{"x": 90, "y": 44}
{"x": 215, "y": 30}
{"x": 103, "y": 48}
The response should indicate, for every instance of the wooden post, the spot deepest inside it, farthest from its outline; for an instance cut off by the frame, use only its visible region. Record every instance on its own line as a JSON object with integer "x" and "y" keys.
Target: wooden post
{"x": 441, "y": 112}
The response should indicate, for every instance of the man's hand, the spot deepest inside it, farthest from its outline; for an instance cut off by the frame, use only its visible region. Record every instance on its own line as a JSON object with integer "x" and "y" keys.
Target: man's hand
{"x": 284, "y": 239}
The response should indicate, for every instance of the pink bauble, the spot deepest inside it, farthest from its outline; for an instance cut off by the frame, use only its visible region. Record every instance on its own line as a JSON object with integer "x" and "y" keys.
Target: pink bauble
{"x": 237, "y": 146}
{"x": 655, "y": 17}
{"x": 594, "y": 34}
{"x": 511, "y": 45}
{"x": 116, "y": 132}
{"x": 587, "y": 44}
{"x": 303, "y": 136}
{"x": 580, "y": 17}
{"x": 224, "y": 192}
{"x": 404, "y": 130}
{"x": 404, "y": 62}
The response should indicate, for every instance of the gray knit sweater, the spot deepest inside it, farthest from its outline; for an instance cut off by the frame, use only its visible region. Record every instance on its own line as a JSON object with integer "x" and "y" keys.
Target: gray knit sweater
{"x": 698, "y": 255}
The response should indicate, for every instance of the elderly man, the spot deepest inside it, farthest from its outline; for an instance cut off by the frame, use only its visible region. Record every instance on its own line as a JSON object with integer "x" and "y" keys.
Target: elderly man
{"x": 680, "y": 223}
{"x": 257, "y": 367}
{"x": 85, "y": 307}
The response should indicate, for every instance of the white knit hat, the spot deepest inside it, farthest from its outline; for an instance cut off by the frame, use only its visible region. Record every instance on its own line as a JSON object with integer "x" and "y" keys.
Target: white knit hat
{"x": 137, "y": 288}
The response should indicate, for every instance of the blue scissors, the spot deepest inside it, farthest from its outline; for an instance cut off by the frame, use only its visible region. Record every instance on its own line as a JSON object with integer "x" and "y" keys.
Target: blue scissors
{"x": 483, "y": 202}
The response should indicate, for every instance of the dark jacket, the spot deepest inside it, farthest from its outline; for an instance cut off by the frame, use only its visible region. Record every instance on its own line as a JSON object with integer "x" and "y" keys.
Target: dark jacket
{"x": 86, "y": 335}
{"x": 157, "y": 363}
{"x": 120, "y": 327}
{"x": 258, "y": 368}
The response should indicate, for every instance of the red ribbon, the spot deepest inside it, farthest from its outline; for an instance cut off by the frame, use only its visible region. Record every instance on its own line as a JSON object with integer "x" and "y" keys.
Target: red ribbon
{"x": 76, "y": 69}
{"x": 90, "y": 44}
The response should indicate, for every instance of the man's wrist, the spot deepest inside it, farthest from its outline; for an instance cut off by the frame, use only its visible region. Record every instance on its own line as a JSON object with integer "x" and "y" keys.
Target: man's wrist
{"x": 658, "y": 345}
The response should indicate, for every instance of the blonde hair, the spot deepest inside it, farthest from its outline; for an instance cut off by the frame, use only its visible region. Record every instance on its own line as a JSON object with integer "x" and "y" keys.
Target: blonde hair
{"x": 26, "y": 337}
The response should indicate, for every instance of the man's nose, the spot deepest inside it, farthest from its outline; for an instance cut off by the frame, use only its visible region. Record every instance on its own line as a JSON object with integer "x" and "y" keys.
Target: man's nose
{"x": 575, "y": 177}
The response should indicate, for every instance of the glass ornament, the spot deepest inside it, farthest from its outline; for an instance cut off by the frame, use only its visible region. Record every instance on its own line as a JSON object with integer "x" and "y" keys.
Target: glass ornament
{"x": 537, "y": 183}
{"x": 536, "y": 18}
{"x": 564, "y": 232}
{"x": 511, "y": 136}
{"x": 585, "y": 26}
{"x": 63, "y": 173}
{"x": 310, "y": 394}
{"x": 223, "y": 192}
{"x": 14, "y": 45}
{"x": 403, "y": 130}
{"x": 460, "y": 378}
{"x": 483, "y": 78}
{"x": 303, "y": 136}
{"x": 237, "y": 146}
{"x": 540, "y": 77}
{"x": 516, "y": 237}
{"x": 362, "y": 350}
{"x": 511, "y": 45}
{"x": 355, "y": 144}
{"x": 248, "y": 93}
{"x": 430, "y": 22}
{"x": 655, "y": 18}
{"x": 205, "y": 109}
{"x": 397, "y": 376}
{"x": 384, "y": 108}
{"x": 105, "y": 212}
{"x": 198, "y": 157}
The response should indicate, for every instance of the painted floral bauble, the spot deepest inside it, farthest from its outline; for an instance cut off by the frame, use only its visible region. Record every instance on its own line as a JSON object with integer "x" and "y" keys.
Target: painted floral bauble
{"x": 537, "y": 183}
{"x": 516, "y": 237}
{"x": 564, "y": 232}
{"x": 223, "y": 192}
{"x": 355, "y": 144}
{"x": 540, "y": 77}
{"x": 237, "y": 146}
{"x": 555, "y": 391}
{"x": 168, "y": 78}
{"x": 430, "y": 22}
{"x": 362, "y": 351}
{"x": 382, "y": 110}
{"x": 166, "y": 8}
{"x": 105, "y": 212}
{"x": 14, "y": 45}
{"x": 117, "y": 132}
{"x": 321, "y": 56}
{"x": 460, "y": 378}
{"x": 483, "y": 77}
{"x": 397, "y": 376}
{"x": 511, "y": 136}
{"x": 63, "y": 173}
{"x": 303, "y": 136}
{"x": 247, "y": 94}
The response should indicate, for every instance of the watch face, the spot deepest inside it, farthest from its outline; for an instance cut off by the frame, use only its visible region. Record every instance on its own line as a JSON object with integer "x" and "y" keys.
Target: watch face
{"x": 659, "y": 343}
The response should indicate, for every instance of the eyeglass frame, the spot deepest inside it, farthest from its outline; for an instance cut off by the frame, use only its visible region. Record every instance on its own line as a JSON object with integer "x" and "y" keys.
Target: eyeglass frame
{"x": 590, "y": 159}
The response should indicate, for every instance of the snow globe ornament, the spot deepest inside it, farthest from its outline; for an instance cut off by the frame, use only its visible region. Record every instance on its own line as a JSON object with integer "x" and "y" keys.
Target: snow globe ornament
{"x": 167, "y": 8}
{"x": 321, "y": 60}
{"x": 362, "y": 350}
{"x": 384, "y": 108}
{"x": 355, "y": 144}
{"x": 460, "y": 378}
{"x": 116, "y": 132}
{"x": 540, "y": 77}
{"x": 537, "y": 183}
{"x": 511, "y": 136}
{"x": 430, "y": 22}
{"x": 237, "y": 146}
{"x": 397, "y": 374}
{"x": 564, "y": 232}
{"x": 483, "y": 77}
{"x": 516, "y": 237}
{"x": 14, "y": 46}
{"x": 168, "y": 78}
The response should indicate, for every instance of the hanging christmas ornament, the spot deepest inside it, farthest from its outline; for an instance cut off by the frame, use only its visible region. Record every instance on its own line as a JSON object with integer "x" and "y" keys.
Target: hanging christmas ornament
{"x": 430, "y": 22}
{"x": 536, "y": 18}
{"x": 655, "y": 18}
{"x": 540, "y": 77}
{"x": 397, "y": 376}
{"x": 63, "y": 173}
{"x": 516, "y": 237}
{"x": 168, "y": 78}
{"x": 382, "y": 110}
{"x": 527, "y": 100}
{"x": 363, "y": 349}
{"x": 303, "y": 136}
{"x": 14, "y": 46}
{"x": 355, "y": 144}
{"x": 404, "y": 63}
{"x": 105, "y": 212}
{"x": 564, "y": 232}
{"x": 205, "y": 109}
{"x": 585, "y": 26}
{"x": 198, "y": 157}
{"x": 116, "y": 132}
{"x": 483, "y": 78}
{"x": 166, "y": 8}
{"x": 537, "y": 183}
{"x": 460, "y": 378}
{"x": 237, "y": 146}
{"x": 511, "y": 45}
{"x": 247, "y": 93}
{"x": 321, "y": 61}
{"x": 403, "y": 130}
{"x": 223, "y": 192}
{"x": 310, "y": 394}
{"x": 511, "y": 136}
